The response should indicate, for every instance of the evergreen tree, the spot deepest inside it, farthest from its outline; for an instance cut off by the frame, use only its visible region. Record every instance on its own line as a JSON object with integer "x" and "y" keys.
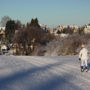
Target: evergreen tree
{"x": 10, "y": 30}
{"x": 34, "y": 23}
{"x": 18, "y": 24}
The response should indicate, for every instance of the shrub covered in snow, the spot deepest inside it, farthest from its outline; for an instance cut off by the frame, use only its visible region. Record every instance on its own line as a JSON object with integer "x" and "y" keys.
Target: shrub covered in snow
{"x": 67, "y": 46}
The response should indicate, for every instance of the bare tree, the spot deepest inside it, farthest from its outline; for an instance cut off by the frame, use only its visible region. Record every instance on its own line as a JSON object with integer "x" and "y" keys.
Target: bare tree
{"x": 4, "y": 21}
{"x": 18, "y": 24}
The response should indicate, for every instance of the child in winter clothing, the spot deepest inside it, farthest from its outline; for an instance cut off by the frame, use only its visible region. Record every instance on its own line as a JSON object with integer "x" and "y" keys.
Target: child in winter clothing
{"x": 83, "y": 57}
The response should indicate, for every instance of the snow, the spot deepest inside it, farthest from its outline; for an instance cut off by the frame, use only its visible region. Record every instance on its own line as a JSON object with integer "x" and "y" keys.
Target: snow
{"x": 42, "y": 73}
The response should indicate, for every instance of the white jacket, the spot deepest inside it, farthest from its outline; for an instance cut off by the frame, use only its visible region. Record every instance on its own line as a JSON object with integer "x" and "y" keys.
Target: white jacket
{"x": 83, "y": 55}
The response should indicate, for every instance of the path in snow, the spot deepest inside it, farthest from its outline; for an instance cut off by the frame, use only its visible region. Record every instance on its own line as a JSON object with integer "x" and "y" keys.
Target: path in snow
{"x": 42, "y": 73}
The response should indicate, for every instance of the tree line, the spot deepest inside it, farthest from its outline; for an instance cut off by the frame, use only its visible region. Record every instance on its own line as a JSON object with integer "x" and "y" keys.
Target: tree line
{"x": 24, "y": 37}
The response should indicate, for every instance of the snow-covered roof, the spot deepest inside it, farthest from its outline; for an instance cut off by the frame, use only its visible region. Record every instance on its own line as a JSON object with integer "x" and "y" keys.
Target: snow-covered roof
{"x": 3, "y": 28}
{"x": 3, "y": 47}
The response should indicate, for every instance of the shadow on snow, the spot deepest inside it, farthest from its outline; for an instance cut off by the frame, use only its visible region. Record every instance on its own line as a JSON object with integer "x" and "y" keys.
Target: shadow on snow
{"x": 55, "y": 83}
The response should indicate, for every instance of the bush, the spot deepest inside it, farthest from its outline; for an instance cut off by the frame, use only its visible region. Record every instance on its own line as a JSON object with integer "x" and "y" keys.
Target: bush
{"x": 39, "y": 51}
{"x": 24, "y": 38}
{"x": 67, "y": 46}
{"x": 72, "y": 43}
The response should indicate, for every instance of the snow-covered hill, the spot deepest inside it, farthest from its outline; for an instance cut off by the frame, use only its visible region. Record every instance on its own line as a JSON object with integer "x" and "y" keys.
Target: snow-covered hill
{"x": 42, "y": 73}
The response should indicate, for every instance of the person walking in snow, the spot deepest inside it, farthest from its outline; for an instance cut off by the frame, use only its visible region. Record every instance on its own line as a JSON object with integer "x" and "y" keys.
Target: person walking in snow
{"x": 83, "y": 57}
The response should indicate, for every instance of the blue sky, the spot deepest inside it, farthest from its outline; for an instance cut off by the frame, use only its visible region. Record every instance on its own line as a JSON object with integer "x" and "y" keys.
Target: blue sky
{"x": 50, "y": 12}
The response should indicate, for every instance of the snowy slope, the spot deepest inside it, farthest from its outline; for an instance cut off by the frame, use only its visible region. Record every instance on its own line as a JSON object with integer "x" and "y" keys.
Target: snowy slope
{"x": 42, "y": 73}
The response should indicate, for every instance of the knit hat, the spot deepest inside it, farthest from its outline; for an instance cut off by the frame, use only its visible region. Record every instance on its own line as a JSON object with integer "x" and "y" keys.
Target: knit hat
{"x": 83, "y": 46}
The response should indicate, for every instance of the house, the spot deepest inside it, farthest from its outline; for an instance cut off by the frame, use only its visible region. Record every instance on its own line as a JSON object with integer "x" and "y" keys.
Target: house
{"x": 64, "y": 35}
{"x": 51, "y": 31}
{"x": 4, "y": 49}
{"x": 2, "y": 32}
{"x": 87, "y": 29}
{"x": 2, "y": 28}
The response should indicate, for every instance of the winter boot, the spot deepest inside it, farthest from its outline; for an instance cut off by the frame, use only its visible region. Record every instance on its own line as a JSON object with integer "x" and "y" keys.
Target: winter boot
{"x": 86, "y": 69}
{"x": 82, "y": 69}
